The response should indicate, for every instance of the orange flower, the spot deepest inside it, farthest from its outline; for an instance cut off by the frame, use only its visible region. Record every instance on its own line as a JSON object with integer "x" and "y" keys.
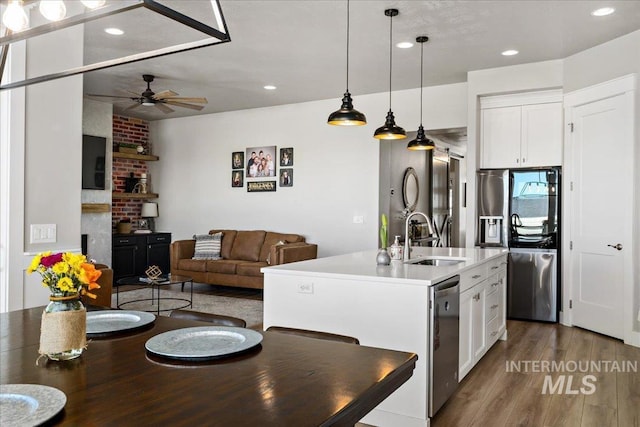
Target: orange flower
{"x": 89, "y": 294}
{"x": 89, "y": 275}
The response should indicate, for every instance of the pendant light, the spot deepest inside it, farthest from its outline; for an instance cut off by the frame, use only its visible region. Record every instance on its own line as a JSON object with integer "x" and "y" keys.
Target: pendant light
{"x": 390, "y": 130}
{"x": 15, "y": 17}
{"x": 421, "y": 143}
{"x": 347, "y": 115}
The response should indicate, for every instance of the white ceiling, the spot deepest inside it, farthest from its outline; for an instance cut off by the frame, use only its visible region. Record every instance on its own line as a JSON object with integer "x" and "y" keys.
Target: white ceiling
{"x": 299, "y": 46}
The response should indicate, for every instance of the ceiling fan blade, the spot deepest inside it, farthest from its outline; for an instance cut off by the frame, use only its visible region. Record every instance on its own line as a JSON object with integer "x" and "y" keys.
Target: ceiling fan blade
{"x": 136, "y": 105}
{"x": 186, "y": 99}
{"x": 182, "y": 104}
{"x": 132, "y": 92}
{"x": 164, "y": 94}
{"x": 163, "y": 108}
{"x": 108, "y": 96}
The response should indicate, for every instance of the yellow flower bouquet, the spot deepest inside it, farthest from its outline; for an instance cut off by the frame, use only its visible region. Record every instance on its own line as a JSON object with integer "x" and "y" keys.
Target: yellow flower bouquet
{"x": 64, "y": 320}
{"x": 66, "y": 274}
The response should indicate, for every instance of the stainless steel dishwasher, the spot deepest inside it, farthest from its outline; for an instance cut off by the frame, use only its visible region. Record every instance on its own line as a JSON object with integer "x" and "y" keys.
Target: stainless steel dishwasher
{"x": 444, "y": 324}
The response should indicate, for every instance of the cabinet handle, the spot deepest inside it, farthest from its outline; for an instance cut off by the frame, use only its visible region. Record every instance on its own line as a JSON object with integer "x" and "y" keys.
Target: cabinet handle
{"x": 475, "y": 276}
{"x": 517, "y": 160}
{"x": 524, "y": 160}
{"x": 494, "y": 333}
{"x": 149, "y": 246}
{"x": 124, "y": 241}
{"x": 159, "y": 238}
{"x": 493, "y": 285}
{"x": 476, "y": 297}
{"x": 494, "y": 306}
{"x": 495, "y": 267}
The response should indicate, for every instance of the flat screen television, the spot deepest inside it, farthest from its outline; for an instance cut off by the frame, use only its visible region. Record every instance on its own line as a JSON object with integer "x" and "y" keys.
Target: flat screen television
{"x": 94, "y": 151}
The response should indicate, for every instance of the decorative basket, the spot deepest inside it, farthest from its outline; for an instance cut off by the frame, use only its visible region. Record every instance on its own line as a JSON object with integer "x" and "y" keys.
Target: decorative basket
{"x": 124, "y": 227}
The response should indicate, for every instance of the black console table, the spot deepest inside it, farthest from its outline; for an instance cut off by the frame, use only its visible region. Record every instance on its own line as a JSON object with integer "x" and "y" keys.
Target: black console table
{"x": 133, "y": 253}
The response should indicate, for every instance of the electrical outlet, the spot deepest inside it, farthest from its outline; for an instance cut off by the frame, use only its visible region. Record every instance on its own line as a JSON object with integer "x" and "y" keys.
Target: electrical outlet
{"x": 305, "y": 288}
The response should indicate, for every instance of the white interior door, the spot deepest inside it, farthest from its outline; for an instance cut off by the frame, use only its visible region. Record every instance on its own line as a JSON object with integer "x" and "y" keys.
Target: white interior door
{"x": 601, "y": 147}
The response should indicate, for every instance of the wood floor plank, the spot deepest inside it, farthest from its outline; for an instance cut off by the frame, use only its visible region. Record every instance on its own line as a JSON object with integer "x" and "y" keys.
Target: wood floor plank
{"x": 628, "y": 387}
{"x": 598, "y": 416}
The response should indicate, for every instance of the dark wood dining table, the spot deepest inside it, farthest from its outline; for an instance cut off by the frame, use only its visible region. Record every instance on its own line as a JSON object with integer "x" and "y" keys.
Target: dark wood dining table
{"x": 287, "y": 380}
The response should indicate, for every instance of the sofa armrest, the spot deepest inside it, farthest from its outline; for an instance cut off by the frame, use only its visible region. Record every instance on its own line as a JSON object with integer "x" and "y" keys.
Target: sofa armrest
{"x": 292, "y": 252}
{"x": 103, "y": 294}
{"x": 181, "y": 249}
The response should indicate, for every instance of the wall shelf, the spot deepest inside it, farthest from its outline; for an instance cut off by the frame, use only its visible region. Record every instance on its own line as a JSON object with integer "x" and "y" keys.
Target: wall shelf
{"x": 96, "y": 207}
{"x": 141, "y": 196}
{"x": 144, "y": 157}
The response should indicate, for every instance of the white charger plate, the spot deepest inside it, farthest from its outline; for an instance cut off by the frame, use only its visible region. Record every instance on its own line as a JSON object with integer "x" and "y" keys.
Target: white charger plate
{"x": 103, "y": 322}
{"x": 203, "y": 342}
{"x": 29, "y": 404}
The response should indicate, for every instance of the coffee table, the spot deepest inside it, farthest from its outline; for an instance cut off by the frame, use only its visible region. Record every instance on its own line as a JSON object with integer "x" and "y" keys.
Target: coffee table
{"x": 156, "y": 299}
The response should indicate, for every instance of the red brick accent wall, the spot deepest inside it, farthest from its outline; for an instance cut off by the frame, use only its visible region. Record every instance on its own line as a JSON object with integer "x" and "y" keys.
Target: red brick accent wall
{"x": 132, "y": 131}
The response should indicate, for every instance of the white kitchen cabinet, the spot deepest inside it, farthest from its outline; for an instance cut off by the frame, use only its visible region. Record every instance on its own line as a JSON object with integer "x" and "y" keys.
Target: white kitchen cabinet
{"x": 523, "y": 130}
{"x": 495, "y": 306}
{"x": 482, "y": 312}
{"x": 472, "y": 339}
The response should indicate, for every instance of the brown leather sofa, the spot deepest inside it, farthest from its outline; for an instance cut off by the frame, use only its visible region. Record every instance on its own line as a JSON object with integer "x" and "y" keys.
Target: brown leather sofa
{"x": 244, "y": 253}
{"x": 103, "y": 294}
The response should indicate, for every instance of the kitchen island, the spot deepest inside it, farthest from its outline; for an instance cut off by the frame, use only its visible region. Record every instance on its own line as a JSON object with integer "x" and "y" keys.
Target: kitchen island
{"x": 388, "y": 307}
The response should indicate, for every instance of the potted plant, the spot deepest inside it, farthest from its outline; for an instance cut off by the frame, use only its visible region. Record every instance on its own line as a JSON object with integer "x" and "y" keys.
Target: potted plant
{"x": 383, "y": 258}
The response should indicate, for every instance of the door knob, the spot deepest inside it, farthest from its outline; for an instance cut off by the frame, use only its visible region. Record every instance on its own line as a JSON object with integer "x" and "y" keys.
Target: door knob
{"x": 618, "y": 246}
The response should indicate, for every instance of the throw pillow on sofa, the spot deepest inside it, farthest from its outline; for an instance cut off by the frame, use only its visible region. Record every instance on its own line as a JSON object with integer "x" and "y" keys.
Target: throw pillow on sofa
{"x": 208, "y": 246}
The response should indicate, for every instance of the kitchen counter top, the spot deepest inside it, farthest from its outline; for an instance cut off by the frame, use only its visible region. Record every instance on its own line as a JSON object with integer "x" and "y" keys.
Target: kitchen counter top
{"x": 362, "y": 265}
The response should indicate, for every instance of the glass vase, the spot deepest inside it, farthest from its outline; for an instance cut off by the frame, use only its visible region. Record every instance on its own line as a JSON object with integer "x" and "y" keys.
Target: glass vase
{"x": 63, "y": 328}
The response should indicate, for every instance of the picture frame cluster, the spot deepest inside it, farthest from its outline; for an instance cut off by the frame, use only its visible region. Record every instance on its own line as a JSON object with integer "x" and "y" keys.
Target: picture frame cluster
{"x": 260, "y": 169}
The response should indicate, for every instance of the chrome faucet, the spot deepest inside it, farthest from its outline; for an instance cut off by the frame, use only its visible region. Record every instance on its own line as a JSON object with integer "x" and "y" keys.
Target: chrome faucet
{"x": 407, "y": 240}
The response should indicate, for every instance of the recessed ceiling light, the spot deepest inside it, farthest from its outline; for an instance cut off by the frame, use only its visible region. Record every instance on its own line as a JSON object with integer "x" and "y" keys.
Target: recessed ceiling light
{"x": 114, "y": 31}
{"x": 603, "y": 11}
{"x": 404, "y": 45}
{"x": 510, "y": 52}
{"x": 270, "y": 87}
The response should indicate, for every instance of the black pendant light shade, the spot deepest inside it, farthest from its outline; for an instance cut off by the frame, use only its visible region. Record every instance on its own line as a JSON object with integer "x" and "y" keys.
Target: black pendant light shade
{"x": 347, "y": 115}
{"x": 390, "y": 130}
{"x": 421, "y": 143}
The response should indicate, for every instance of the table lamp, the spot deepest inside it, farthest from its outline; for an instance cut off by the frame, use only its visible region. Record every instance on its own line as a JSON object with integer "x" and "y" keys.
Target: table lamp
{"x": 148, "y": 213}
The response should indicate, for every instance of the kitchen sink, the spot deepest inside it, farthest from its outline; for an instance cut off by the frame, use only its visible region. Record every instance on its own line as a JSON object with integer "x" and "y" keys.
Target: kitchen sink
{"x": 438, "y": 262}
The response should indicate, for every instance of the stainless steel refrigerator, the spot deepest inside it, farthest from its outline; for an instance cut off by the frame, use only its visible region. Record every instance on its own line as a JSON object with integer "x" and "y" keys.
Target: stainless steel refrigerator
{"x": 520, "y": 209}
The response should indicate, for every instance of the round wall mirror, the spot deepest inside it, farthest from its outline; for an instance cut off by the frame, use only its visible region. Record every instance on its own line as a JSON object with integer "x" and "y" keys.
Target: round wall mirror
{"x": 410, "y": 189}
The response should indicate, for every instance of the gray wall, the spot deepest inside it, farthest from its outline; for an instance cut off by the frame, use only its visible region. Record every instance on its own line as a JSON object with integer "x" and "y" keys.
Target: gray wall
{"x": 97, "y": 118}
{"x": 394, "y": 160}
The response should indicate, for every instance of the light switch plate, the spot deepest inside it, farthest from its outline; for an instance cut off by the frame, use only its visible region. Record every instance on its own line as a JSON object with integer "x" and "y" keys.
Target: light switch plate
{"x": 43, "y": 233}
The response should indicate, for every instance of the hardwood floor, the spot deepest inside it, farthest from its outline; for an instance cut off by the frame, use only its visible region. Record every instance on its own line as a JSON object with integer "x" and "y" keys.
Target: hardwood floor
{"x": 497, "y": 394}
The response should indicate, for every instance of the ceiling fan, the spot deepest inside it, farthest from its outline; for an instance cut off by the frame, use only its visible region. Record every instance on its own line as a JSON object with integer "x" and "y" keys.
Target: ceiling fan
{"x": 161, "y": 100}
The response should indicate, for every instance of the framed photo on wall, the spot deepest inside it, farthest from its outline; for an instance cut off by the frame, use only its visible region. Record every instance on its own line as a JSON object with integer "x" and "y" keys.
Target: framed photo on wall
{"x": 286, "y": 157}
{"x": 286, "y": 177}
{"x": 261, "y": 162}
{"x": 237, "y": 179}
{"x": 237, "y": 160}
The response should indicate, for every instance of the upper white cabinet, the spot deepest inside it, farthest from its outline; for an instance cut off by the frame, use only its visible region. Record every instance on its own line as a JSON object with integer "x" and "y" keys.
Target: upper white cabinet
{"x": 521, "y": 130}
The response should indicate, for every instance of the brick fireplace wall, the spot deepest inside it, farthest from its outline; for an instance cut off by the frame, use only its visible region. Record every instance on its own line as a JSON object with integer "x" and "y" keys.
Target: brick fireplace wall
{"x": 131, "y": 131}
